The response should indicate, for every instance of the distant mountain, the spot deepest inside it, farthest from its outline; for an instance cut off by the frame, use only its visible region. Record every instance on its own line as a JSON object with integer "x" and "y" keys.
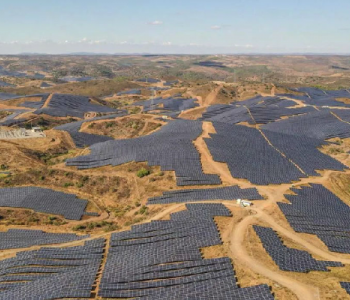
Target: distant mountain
{"x": 31, "y": 54}
{"x": 86, "y": 53}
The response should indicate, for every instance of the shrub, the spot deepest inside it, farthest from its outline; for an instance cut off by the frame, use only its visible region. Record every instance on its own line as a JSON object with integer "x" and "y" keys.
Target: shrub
{"x": 143, "y": 172}
{"x": 79, "y": 227}
{"x": 4, "y": 167}
{"x": 79, "y": 185}
{"x": 143, "y": 210}
{"x": 68, "y": 184}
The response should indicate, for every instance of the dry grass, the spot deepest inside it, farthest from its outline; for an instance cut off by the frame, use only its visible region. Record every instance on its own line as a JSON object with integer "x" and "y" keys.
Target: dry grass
{"x": 123, "y": 128}
{"x": 326, "y": 282}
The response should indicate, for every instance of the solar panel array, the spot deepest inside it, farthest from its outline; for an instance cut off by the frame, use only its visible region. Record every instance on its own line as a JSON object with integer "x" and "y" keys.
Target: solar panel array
{"x": 51, "y": 273}
{"x": 249, "y": 156}
{"x": 171, "y": 83}
{"x": 269, "y": 101}
{"x": 230, "y": 114}
{"x": 312, "y": 92}
{"x": 43, "y": 200}
{"x": 64, "y": 105}
{"x": 316, "y": 210}
{"x": 267, "y": 114}
{"x": 10, "y": 120}
{"x": 82, "y": 139}
{"x": 290, "y": 259}
{"x": 76, "y": 79}
{"x": 6, "y": 84}
{"x": 319, "y": 98}
{"x": 7, "y": 96}
{"x": 170, "y": 104}
{"x": 346, "y": 286}
{"x": 162, "y": 260}
{"x": 157, "y": 88}
{"x": 5, "y": 73}
{"x": 324, "y": 98}
{"x": 258, "y": 110}
{"x": 318, "y": 125}
{"x": 343, "y": 114}
{"x": 170, "y": 147}
{"x": 22, "y": 238}
{"x": 130, "y": 92}
{"x": 45, "y": 85}
{"x": 36, "y": 104}
{"x": 210, "y": 63}
{"x": 303, "y": 151}
{"x": 148, "y": 80}
{"x": 191, "y": 195}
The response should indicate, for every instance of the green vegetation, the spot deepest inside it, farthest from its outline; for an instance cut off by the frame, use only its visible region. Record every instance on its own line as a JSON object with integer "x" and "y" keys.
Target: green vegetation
{"x": 334, "y": 150}
{"x": 143, "y": 210}
{"x": 142, "y": 173}
{"x": 4, "y": 167}
{"x": 104, "y": 225}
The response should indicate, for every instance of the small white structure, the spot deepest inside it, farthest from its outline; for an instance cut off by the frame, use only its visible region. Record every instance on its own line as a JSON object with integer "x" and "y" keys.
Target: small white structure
{"x": 165, "y": 117}
{"x": 36, "y": 129}
{"x": 244, "y": 203}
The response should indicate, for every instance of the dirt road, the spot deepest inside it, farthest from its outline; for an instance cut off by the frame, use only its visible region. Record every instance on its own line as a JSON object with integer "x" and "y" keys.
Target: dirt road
{"x": 301, "y": 290}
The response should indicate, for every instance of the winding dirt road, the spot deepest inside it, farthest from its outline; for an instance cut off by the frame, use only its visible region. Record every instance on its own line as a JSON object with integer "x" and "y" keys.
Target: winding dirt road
{"x": 258, "y": 213}
{"x": 301, "y": 290}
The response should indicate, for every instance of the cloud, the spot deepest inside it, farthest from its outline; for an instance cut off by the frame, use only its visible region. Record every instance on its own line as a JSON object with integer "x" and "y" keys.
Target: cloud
{"x": 216, "y": 27}
{"x": 155, "y": 23}
{"x": 154, "y": 47}
{"x": 247, "y": 46}
{"x": 87, "y": 41}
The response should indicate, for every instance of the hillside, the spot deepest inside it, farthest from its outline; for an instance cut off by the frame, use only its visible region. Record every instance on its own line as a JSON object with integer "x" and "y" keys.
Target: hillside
{"x": 220, "y": 177}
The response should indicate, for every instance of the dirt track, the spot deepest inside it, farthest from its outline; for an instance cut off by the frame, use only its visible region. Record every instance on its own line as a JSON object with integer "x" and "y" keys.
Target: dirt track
{"x": 258, "y": 213}
{"x": 240, "y": 253}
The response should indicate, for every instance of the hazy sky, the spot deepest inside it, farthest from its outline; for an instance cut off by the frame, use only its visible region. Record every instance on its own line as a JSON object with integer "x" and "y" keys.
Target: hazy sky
{"x": 175, "y": 26}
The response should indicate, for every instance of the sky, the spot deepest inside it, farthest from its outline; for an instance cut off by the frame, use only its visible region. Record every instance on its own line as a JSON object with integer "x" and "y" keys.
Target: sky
{"x": 174, "y": 26}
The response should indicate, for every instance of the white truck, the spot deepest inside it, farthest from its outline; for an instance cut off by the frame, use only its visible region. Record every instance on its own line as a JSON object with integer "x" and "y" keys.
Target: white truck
{"x": 244, "y": 203}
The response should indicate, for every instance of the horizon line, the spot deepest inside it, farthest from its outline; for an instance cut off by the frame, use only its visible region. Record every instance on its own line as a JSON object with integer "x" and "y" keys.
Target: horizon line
{"x": 81, "y": 53}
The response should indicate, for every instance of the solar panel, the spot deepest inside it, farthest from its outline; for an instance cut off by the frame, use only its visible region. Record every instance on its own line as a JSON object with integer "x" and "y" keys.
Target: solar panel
{"x": 64, "y": 105}
{"x": 51, "y": 273}
{"x": 43, "y": 200}
{"x": 191, "y": 195}
{"x": 82, "y": 139}
{"x": 170, "y": 147}
{"x": 20, "y": 238}
{"x": 316, "y": 210}
{"x": 162, "y": 260}
{"x": 290, "y": 259}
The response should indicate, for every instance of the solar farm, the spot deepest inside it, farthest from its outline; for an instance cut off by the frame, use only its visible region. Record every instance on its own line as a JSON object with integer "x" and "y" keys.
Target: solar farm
{"x": 148, "y": 185}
